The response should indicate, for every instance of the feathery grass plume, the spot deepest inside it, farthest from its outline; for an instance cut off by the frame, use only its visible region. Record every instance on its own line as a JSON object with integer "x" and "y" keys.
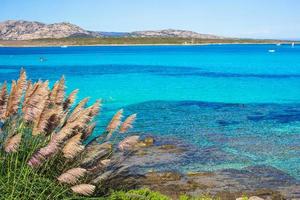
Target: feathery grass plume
{"x": 65, "y": 132}
{"x": 13, "y": 143}
{"x": 70, "y": 100}
{"x": 16, "y": 93}
{"x": 53, "y": 93}
{"x": 36, "y": 103}
{"x": 48, "y": 121}
{"x": 88, "y": 130}
{"x": 60, "y": 95}
{"x": 95, "y": 108}
{"x": 3, "y": 101}
{"x": 85, "y": 116}
{"x": 72, "y": 175}
{"x": 31, "y": 87}
{"x": 79, "y": 120}
{"x": 73, "y": 146}
{"x": 128, "y": 143}
{"x": 28, "y": 91}
{"x": 84, "y": 189}
{"x": 11, "y": 98}
{"x": 114, "y": 123}
{"x": 127, "y": 124}
{"x": 46, "y": 152}
{"x": 79, "y": 123}
{"x": 95, "y": 152}
{"x": 58, "y": 92}
{"x": 77, "y": 110}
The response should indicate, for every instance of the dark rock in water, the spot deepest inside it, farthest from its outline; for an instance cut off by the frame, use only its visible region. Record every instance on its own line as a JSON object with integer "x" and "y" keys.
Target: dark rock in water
{"x": 282, "y": 117}
{"x": 286, "y": 117}
{"x": 255, "y": 117}
{"x": 267, "y": 173}
{"x": 226, "y": 123}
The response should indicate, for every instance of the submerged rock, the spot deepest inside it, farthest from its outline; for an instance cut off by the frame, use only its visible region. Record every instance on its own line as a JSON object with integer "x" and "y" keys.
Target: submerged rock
{"x": 156, "y": 167}
{"x": 159, "y": 177}
{"x": 196, "y": 184}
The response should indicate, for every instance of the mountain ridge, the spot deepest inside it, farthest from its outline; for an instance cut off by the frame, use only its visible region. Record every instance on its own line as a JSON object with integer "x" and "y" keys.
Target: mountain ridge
{"x": 29, "y": 30}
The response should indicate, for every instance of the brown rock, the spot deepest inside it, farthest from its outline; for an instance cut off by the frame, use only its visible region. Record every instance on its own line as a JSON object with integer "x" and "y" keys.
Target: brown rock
{"x": 199, "y": 174}
{"x": 147, "y": 142}
{"x": 160, "y": 177}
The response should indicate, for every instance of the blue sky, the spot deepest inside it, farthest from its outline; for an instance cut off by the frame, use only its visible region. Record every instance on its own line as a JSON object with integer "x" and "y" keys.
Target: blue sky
{"x": 238, "y": 18}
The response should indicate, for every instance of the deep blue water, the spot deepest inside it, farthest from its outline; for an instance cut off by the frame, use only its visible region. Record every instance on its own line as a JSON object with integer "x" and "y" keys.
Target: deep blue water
{"x": 237, "y": 105}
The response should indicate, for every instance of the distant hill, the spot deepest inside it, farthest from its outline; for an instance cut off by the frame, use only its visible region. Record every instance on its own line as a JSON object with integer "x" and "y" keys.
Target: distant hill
{"x": 174, "y": 33}
{"x": 28, "y": 30}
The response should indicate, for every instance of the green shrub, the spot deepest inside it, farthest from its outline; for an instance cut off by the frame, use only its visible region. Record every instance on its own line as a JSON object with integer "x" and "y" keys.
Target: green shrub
{"x": 141, "y": 194}
{"x": 202, "y": 197}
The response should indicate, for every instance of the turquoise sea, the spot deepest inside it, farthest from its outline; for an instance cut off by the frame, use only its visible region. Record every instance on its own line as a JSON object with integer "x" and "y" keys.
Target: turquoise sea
{"x": 234, "y": 105}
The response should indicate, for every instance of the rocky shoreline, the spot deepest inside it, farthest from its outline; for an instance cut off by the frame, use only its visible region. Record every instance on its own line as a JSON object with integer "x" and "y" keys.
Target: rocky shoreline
{"x": 261, "y": 181}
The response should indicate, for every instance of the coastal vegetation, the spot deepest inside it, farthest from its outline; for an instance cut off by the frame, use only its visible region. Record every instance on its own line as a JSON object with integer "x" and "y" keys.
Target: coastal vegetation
{"x": 47, "y": 148}
{"x": 132, "y": 41}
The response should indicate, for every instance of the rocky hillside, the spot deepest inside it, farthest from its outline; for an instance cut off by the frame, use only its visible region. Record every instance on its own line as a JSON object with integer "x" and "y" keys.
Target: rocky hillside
{"x": 174, "y": 33}
{"x": 27, "y": 30}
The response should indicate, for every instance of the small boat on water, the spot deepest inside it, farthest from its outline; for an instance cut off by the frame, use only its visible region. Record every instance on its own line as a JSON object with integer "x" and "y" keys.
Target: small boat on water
{"x": 293, "y": 44}
{"x": 272, "y": 51}
{"x": 64, "y": 46}
{"x": 278, "y": 44}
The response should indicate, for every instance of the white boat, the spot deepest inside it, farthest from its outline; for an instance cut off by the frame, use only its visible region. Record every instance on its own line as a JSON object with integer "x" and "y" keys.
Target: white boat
{"x": 293, "y": 44}
{"x": 278, "y": 44}
{"x": 271, "y": 50}
{"x": 64, "y": 46}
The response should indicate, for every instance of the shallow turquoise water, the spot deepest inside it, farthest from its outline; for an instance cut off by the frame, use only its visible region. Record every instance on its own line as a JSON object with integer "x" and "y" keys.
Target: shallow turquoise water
{"x": 255, "y": 117}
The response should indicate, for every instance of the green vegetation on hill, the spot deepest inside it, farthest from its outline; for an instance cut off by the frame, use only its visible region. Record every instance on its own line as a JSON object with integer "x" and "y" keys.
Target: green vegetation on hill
{"x": 130, "y": 41}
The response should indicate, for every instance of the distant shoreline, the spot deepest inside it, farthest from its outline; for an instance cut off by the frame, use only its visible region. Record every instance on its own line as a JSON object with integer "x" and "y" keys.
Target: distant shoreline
{"x": 134, "y": 42}
{"x": 124, "y": 45}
